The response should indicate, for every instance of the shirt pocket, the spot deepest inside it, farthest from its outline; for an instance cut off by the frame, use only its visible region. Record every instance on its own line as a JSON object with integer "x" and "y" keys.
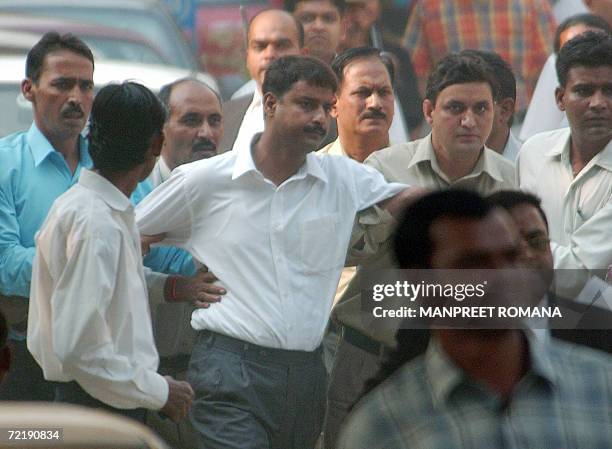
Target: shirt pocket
{"x": 319, "y": 248}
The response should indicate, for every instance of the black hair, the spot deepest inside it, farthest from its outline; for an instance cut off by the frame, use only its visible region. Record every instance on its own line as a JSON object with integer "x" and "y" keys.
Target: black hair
{"x": 298, "y": 26}
{"x": 290, "y": 5}
{"x": 458, "y": 68}
{"x": 590, "y": 49}
{"x": 50, "y": 42}
{"x": 502, "y": 71}
{"x": 124, "y": 120}
{"x": 284, "y": 72}
{"x": 166, "y": 91}
{"x": 342, "y": 60}
{"x": 413, "y": 248}
{"x": 508, "y": 199}
{"x": 589, "y": 20}
{"x": 412, "y": 245}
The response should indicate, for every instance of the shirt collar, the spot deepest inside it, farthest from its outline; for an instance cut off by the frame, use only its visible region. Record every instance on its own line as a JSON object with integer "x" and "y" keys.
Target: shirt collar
{"x": 603, "y": 158}
{"x": 558, "y": 150}
{"x": 485, "y": 163}
{"x": 41, "y": 148}
{"x": 336, "y": 148}
{"x": 105, "y": 189}
{"x": 164, "y": 170}
{"x": 244, "y": 164}
{"x": 256, "y": 102}
{"x": 445, "y": 377}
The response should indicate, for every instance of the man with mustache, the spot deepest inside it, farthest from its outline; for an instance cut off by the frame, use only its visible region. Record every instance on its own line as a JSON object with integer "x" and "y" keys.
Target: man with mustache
{"x": 37, "y": 167}
{"x": 193, "y": 128}
{"x": 570, "y": 169}
{"x": 459, "y": 108}
{"x": 363, "y": 111}
{"x": 274, "y": 221}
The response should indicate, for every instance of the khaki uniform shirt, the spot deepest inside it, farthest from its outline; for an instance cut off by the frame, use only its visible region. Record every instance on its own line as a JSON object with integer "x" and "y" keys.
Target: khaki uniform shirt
{"x": 415, "y": 163}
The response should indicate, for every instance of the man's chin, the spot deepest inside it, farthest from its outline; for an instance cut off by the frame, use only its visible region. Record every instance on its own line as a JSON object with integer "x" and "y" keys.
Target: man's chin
{"x": 202, "y": 154}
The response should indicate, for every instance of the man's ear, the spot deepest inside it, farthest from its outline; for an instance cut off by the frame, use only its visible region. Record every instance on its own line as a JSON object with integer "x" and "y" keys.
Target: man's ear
{"x": 26, "y": 89}
{"x": 560, "y": 97}
{"x": 269, "y": 102}
{"x": 506, "y": 110}
{"x": 334, "y": 109}
{"x": 428, "y": 108}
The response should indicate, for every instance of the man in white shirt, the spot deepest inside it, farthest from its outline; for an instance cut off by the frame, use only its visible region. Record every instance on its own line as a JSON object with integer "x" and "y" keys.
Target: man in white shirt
{"x": 193, "y": 128}
{"x": 543, "y": 113}
{"x": 273, "y": 221}
{"x": 89, "y": 321}
{"x": 571, "y": 169}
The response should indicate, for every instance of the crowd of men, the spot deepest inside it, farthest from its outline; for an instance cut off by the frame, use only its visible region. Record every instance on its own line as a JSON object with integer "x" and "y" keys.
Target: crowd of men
{"x": 184, "y": 258}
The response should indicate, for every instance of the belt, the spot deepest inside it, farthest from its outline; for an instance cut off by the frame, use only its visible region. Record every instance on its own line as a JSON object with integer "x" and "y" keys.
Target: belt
{"x": 251, "y": 350}
{"x": 364, "y": 342}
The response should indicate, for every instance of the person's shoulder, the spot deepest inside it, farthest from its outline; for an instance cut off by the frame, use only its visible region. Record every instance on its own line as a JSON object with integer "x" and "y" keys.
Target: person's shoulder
{"x": 209, "y": 173}
{"x": 82, "y": 212}
{"x": 399, "y": 153}
{"x": 505, "y": 166}
{"x": 238, "y": 103}
{"x": 542, "y": 143}
{"x": 578, "y": 357}
{"x": 400, "y": 403}
{"x": 12, "y": 146}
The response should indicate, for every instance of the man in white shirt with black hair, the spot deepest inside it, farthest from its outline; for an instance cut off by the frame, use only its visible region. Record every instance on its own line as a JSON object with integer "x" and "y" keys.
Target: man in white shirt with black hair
{"x": 570, "y": 169}
{"x": 89, "y": 318}
{"x": 273, "y": 221}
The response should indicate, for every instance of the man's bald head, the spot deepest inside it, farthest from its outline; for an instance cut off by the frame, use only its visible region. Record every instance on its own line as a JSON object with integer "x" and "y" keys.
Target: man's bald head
{"x": 272, "y": 33}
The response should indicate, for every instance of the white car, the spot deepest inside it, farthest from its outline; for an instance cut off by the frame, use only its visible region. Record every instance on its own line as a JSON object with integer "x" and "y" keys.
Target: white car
{"x": 16, "y": 111}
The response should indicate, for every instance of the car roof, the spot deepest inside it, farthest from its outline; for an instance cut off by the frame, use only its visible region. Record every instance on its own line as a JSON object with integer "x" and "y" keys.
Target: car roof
{"x": 106, "y": 71}
{"x": 133, "y": 4}
{"x": 42, "y": 24}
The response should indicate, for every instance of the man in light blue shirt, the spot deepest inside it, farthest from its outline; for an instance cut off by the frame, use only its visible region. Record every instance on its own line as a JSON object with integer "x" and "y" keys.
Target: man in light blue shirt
{"x": 37, "y": 167}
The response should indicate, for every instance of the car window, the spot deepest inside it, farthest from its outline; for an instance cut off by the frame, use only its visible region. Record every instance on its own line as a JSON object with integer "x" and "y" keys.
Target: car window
{"x": 153, "y": 25}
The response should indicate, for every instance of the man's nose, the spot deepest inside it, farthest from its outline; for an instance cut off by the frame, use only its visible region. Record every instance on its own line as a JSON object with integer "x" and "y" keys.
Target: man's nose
{"x": 374, "y": 101}
{"x": 599, "y": 100}
{"x": 468, "y": 120}
{"x": 204, "y": 130}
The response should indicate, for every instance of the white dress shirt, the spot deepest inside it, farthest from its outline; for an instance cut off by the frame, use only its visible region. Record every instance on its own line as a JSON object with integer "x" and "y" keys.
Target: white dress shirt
{"x": 278, "y": 250}
{"x": 89, "y": 318}
{"x": 543, "y": 114}
{"x": 511, "y": 150}
{"x": 160, "y": 173}
{"x": 252, "y": 123}
{"x": 579, "y": 209}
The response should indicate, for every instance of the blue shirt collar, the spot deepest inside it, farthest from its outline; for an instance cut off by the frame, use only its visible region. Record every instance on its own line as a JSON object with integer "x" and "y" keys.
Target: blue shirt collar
{"x": 41, "y": 148}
